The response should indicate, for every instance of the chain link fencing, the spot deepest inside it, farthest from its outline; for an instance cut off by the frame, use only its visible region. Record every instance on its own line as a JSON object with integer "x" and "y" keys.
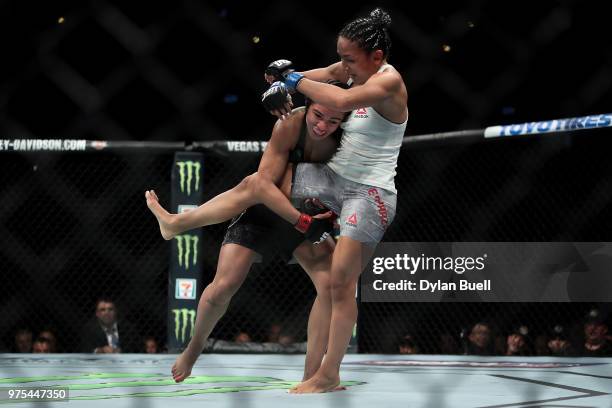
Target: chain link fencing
{"x": 74, "y": 226}
{"x": 553, "y": 188}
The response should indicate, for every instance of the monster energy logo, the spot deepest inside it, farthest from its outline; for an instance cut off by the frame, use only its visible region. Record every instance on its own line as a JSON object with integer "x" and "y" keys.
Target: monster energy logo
{"x": 182, "y": 318}
{"x": 187, "y": 246}
{"x": 186, "y": 175}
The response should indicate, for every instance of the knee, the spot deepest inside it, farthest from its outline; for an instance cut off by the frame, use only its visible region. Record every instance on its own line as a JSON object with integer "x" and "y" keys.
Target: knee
{"x": 323, "y": 286}
{"x": 250, "y": 183}
{"x": 342, "y": 288}
{"x": 221, "y": 292}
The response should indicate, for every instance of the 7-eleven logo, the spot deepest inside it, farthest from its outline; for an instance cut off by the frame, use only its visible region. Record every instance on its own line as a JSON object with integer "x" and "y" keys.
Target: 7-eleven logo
{"x": 352, "y": 220}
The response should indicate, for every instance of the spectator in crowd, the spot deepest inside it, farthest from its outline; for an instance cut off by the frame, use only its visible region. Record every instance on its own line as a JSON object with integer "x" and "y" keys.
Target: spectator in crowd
{"x": 596, "y": 340}
{"x": 516, "y": 343}
{"x": 23, "y": 341}
{"x": 447, "y": 344}
{"x": 479, "y": 341}
{"x": 41, "y": 345}
{"x": 106, "y": 334}
{"x": 285, "y": 338}
{"x": 407, "y": 345}
{"x": 499, "y": 345}
{"x": 242, "y": 337}
{"x": 274, "y": 332}
{"x": 540, "y": 345}
{"x": 558, "y": 343}
{"x": 151, "y": 346}
{"x": 49, "y": 334}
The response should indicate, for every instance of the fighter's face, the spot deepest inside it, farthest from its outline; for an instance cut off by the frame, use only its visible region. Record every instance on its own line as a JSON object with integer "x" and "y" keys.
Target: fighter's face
{"x": 358, "y": 64}
{"x": 321, "y": 121}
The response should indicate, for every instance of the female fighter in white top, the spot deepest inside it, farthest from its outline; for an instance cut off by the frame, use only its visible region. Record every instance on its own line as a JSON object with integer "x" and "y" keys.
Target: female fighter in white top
{"x": 357, "y": 183}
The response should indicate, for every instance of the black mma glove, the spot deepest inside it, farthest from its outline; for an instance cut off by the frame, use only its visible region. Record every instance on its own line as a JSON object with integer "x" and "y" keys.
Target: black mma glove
{"x": 282, "y": 70}
{"x": 276, "y": 97}
{"x": 279, "y": 69}
{"x": 316, "y": 230}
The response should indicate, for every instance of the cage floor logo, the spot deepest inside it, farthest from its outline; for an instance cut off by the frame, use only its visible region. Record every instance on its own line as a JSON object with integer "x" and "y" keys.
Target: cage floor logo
{"x": 101, "y": 386}
{"x": 189, "y": 172}
{"x": 187, "y": 248}
{"x": 183, "y": 318}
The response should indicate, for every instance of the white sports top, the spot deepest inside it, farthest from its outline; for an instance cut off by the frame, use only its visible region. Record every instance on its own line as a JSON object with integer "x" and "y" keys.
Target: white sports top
{"x": 369, "y": 148}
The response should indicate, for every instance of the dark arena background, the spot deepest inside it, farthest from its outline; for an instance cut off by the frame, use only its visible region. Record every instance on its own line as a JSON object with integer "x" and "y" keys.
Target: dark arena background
{"x": 74, "y": 226}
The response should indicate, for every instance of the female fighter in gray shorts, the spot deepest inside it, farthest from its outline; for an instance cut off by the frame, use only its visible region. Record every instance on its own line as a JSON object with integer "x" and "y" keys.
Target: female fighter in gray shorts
{"x": 357, "y": 183}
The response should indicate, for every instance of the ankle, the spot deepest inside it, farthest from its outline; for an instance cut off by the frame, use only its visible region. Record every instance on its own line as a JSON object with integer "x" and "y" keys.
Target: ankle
{"x": 308, "y": 374}
{"x": 194, "y": 348}
{"x": 328, "y": 372}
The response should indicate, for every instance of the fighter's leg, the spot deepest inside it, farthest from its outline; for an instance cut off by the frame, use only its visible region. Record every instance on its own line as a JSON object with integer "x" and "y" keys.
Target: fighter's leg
{"x": 316, "y": 261}
{"x": 234, "y": 264}
{"x": 218, "y": 209}
{"x": 366, "y": 213}
{"x": 254, "y": 189}
{"x": 345, "y": 271}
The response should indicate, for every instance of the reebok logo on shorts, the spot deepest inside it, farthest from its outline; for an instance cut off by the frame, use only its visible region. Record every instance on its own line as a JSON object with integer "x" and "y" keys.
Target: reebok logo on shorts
{"x": 352, "y": 220}
{"x": 361, "y": 113}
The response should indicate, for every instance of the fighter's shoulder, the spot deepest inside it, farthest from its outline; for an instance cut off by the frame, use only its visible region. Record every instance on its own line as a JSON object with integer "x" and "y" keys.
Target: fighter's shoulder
{"x": 300, "y": 110}
{"x": 389, "y": 76}
{"x": 294, "y": 120}
{"x": 289, "y": 129}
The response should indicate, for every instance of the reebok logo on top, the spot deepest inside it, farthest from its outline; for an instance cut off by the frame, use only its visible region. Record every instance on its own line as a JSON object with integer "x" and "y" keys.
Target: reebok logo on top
{"x": 361, "y": 113}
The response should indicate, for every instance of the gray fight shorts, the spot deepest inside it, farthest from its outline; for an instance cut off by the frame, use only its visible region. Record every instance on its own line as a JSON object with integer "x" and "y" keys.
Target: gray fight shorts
{"x": 364, "y": 211}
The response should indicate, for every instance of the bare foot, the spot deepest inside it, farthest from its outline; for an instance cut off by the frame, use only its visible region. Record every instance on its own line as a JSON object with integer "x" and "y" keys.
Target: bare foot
{"x": 183, "y": 365}
{"x": 317, "y": 384}
{"x": 163, "y": 216}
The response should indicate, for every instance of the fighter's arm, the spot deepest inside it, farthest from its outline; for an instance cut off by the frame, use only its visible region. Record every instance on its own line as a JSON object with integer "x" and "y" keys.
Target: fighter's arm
{"x": 374, "y": 91}
{"x": 334, "y": 71}
{"x": 277, "y": 100}
{"x": 273, "y": 163}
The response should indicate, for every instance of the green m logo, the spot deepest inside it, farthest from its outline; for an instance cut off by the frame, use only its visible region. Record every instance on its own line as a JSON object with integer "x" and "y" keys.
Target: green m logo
{"x": 187, "y": 246}
{"x": 182, "y": 319}
{"x": 189, "y": 172}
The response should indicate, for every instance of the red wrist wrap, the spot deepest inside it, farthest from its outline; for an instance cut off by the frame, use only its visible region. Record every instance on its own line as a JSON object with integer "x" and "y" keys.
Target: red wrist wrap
{"x": 303, "y": 223}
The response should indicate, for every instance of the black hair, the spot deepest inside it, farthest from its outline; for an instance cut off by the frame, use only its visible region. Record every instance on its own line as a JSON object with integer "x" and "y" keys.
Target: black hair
{"x": 307, "y": 102}
{"x": 43, "y": 340}
{"x": 371, "y": 33}
{"x": 105, "y": 299}
{"x": 20, "y": 330}
{"x": 407, "y": 341}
